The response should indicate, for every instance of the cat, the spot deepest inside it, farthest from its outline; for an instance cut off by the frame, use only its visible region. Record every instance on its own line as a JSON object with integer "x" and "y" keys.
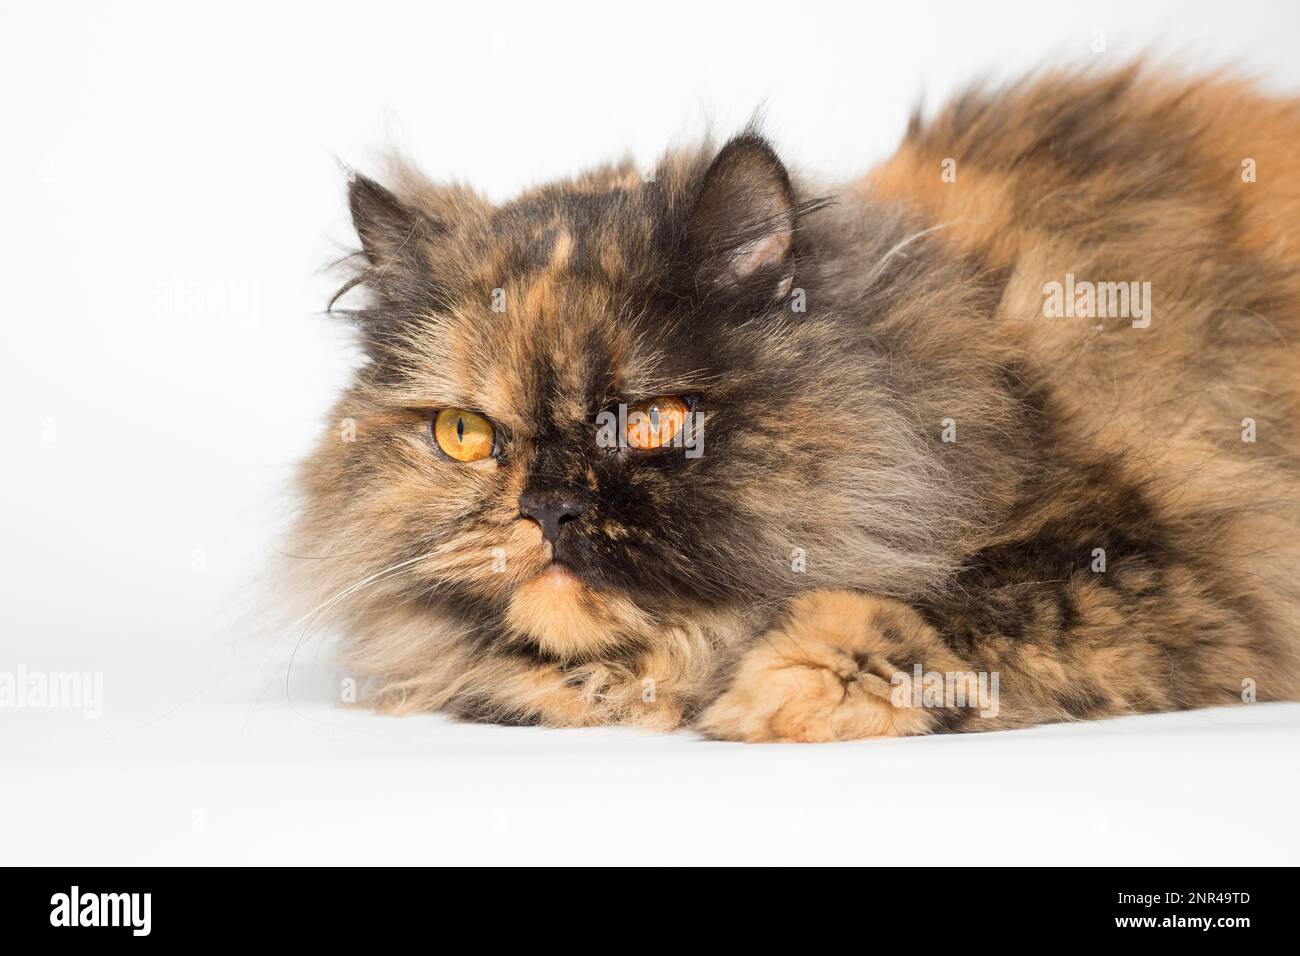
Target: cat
{"x": 1001, "y": 433}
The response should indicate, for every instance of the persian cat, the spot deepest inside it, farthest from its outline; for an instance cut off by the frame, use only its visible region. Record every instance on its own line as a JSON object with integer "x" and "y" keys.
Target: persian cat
{"x": 1003, "y": 432}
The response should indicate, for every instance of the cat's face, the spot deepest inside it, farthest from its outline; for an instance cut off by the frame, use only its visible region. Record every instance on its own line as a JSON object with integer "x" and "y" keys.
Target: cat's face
{"x": 596, "y": 407}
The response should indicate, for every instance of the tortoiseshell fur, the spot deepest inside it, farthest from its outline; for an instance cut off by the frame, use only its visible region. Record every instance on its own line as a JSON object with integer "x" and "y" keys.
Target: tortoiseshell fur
{"x": 904, "y": 460}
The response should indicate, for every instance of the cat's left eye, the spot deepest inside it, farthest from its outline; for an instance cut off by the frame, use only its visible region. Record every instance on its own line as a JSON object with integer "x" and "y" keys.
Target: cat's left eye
{"x": 463, "y": 435}
{"x": 655, "y": 423}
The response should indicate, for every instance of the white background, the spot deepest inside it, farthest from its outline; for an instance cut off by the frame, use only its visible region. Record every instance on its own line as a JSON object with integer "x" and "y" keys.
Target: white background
{"x": 172, "y": 191}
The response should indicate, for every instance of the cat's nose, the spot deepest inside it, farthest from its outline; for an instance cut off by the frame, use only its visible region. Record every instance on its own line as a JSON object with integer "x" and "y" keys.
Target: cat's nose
{"x": 553, "y": 507}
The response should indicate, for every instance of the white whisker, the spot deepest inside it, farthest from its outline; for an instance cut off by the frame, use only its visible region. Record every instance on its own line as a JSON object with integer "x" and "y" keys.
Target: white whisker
{"x": 309, "y": 619}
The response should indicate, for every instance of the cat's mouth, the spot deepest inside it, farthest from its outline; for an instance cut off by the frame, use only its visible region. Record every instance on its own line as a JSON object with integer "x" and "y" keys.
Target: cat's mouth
{"x": 557, "y": 570}
{"x": 563, "y": 614}
{"x": 560, "y": 568}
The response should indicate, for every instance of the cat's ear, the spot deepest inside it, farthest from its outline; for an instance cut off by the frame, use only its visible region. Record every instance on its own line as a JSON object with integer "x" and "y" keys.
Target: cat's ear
{"x": 409, "y": 235}
{"x": 391, "y": 232}
{"x": 740, "y": 238}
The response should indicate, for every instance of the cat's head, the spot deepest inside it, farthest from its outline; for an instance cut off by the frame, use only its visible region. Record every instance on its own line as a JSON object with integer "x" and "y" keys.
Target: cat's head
{"x": 611, "y": 401}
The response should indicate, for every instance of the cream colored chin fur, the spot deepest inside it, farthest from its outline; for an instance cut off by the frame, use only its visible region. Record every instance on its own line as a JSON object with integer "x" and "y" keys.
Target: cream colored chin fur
{"x": 566, "y": 618}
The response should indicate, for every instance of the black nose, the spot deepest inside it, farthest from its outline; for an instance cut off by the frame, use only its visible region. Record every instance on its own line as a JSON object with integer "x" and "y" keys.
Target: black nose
{"x": 553, "y": 507}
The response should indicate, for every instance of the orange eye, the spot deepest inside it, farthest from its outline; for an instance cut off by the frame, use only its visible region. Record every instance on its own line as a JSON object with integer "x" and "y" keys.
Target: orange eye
{"x": 655, "y": 423}
{"x": 463, "y": 435}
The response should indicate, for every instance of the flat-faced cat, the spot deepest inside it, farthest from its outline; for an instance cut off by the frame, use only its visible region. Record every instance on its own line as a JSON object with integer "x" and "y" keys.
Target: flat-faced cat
{"x": 1006, "y": 431}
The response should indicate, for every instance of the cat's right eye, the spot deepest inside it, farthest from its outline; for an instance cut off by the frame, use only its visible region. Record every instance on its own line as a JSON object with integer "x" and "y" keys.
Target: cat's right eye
{"x": 462, "y": 435}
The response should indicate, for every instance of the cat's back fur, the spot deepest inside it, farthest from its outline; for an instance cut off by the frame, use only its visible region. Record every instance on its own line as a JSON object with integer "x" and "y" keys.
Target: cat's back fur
{"x": 1182, "y": 433}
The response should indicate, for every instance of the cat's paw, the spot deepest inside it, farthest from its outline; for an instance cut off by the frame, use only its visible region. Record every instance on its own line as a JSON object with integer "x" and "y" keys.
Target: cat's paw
{"x": 825, "y": 673}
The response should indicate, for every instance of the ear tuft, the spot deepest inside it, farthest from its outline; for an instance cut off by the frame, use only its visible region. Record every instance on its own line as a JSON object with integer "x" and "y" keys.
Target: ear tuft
{"x": 741, "y": 233}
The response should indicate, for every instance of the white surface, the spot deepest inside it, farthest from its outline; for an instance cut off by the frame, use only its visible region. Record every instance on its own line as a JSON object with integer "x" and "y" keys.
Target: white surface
{"x": 171, "y": 194}
{"x": 223, "y": 778}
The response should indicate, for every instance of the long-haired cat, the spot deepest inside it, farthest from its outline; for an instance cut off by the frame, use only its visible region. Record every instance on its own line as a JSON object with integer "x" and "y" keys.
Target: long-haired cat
{"x": 1006, "y": 431}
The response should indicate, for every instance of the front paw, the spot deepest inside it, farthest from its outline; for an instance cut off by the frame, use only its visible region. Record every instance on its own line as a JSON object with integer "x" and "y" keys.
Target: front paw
{"x": 825, "y": 673}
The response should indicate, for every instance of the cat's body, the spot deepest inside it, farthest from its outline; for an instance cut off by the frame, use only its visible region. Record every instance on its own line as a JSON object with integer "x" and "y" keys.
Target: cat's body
{"x": 904, "y": 465}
